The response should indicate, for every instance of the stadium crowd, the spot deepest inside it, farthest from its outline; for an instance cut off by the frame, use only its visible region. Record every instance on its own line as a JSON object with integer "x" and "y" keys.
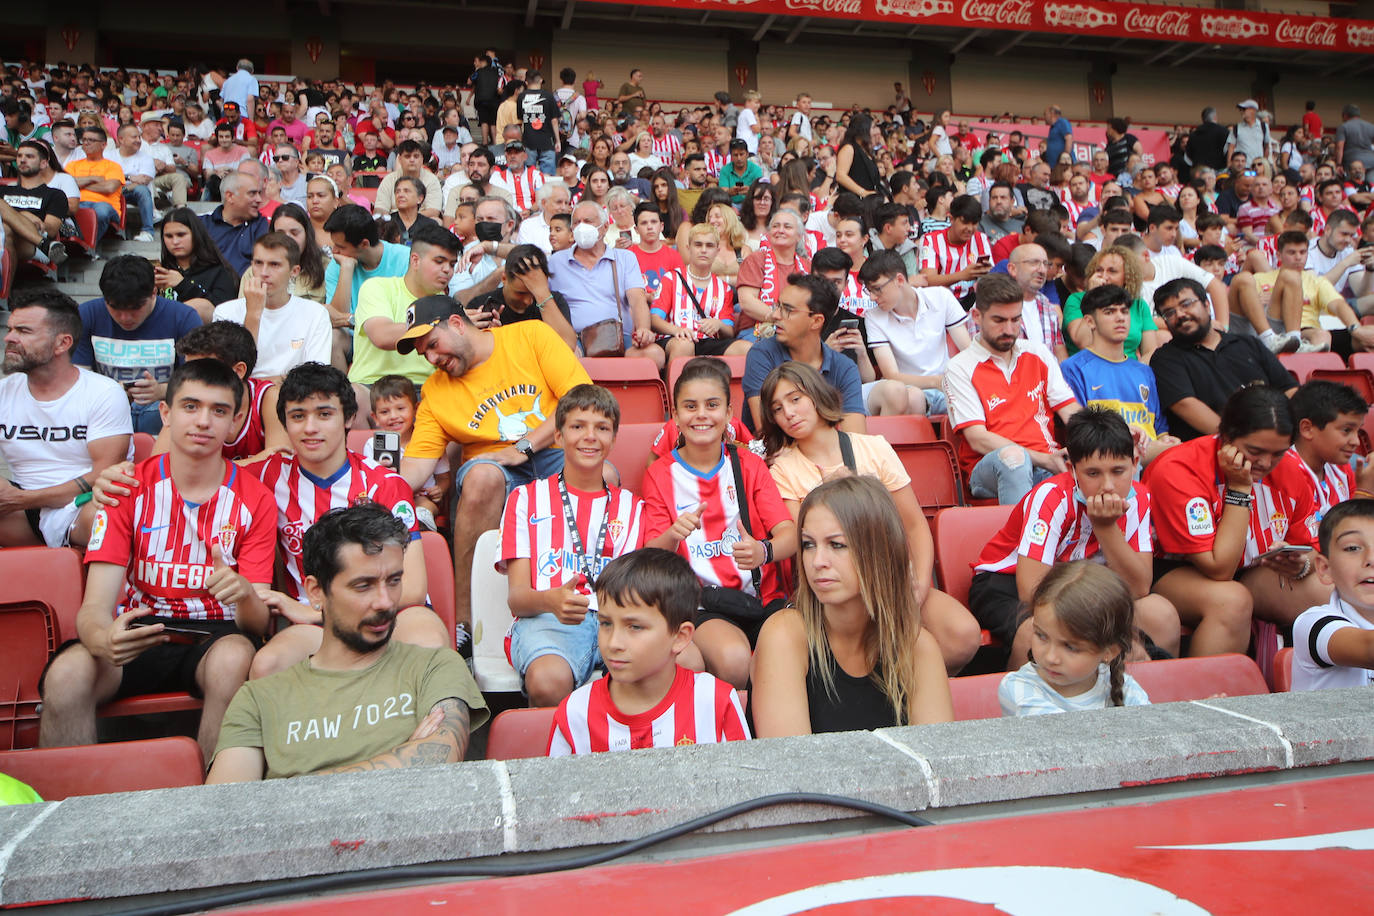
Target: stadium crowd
{"x": 1097, "y": 334}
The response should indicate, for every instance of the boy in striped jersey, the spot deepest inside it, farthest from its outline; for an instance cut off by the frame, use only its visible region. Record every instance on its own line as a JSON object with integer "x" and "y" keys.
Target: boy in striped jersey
{"x": 557, "y": 534}
{"x": 644, "y": 622}
{"x": 171, "y": 600}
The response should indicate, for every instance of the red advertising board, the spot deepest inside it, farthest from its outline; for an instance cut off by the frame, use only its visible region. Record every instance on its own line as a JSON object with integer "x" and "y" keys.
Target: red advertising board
{"x": 1116, "y": 20}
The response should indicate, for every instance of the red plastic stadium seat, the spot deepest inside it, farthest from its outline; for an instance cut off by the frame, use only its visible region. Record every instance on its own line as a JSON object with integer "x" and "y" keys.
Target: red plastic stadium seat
{"x": 902, "y": 429}
{"x": 439, "y": 575}
{"x": 635, "y": 384}
{"x": 357, "y": 439}
{"x": 149, "y": 704}
{"x": 143, "y": 446}
{"x": 1176, "y": 679}
{"x": 631, "y": 453}
{"x": 736, "y": 364}
{"x": 960, "y": 534}
{"x": 6, "y": 274}
{"x": 56, "y": 773}
{"x": 368, "y": 194}
{"x": 518, "y": 733}
{"x": 42, "y": 590}
{"x": 1302, "y": 364}
{"x": 933, "y": 472}
{"x": 1362, "y": 361}
{"x": 1283, "y": 670}
{"x": 1362, "y": 380}
{"x": 86, "y": 225}
{"x": 975, "y": 697}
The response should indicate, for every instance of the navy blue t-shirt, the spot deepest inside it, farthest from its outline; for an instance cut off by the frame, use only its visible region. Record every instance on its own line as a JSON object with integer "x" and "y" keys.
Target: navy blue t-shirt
{"x": 124, "y": 355}
{"x": 767, "y": 354}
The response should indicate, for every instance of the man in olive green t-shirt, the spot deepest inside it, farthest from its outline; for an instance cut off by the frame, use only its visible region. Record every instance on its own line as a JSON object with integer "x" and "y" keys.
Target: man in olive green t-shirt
{"x": 631, "y": 97}
{"x": 362, "y": 702}
{"x": 380, "y": 319}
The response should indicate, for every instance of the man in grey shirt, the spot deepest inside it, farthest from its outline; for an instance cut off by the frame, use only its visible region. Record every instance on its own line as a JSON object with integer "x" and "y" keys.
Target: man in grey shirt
{"x": 1251, "y": 135}
{"x": 1354, "y": 139}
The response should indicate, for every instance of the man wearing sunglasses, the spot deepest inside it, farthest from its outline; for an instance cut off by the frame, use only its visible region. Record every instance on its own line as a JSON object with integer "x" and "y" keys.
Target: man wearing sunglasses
{"x": 288, "y": 161}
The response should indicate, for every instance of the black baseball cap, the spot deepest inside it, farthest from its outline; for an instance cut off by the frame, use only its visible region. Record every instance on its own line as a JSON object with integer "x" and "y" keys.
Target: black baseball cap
{"x": 423, "y": 316}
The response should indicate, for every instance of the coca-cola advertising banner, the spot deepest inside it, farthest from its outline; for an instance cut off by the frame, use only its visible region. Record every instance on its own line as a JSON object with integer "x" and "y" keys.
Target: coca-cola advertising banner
{"x": 1154, "y": 144}
{"x": 1116, "y": 20}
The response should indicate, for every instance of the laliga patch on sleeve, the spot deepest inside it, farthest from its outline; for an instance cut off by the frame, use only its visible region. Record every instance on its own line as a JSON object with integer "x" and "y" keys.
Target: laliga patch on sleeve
{"x": 1039, "y": 532}
{"x": 1199, "y": 516}
{"x": 98, "y": 531}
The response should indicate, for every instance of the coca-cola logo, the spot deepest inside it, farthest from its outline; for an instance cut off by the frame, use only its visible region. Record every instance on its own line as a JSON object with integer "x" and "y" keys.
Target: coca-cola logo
{"x": 1360, "y": 36}
{"x": 1002, "y": 12}
{"x": 1165, "y": 24}
{"x": 1235, "y": 28}
{"x": 915, "y": 9}
{"x": 1077, "y": 16}
{"x": 1315, "y": 33}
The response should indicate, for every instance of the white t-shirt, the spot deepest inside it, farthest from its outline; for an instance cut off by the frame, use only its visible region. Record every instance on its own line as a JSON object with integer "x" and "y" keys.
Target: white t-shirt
{"x": 158, "y": 151}
{"x": 45, "y": 442}
{"x": 1321, "y": 264}
{"x": 1171, "y": 267}
{"x": 140, "y": 163}
{"x": 803, "y": 124}
{"x": 746, "y": 129}
{"x": 205, "y": 130}
{"x": 1312, "y": 665}
{"x": 940, "y": 139}
{"x": 64, "y": 183}
{"x": 1024, "y": 693}
{"x": 918, "y": 343}
{"x": 298, "y": 332}
{"x": 535, "y": 231}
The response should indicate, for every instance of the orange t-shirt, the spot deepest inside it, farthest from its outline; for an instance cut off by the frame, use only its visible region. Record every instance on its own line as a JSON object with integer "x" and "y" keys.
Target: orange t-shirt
{"x": 105, "y": 170}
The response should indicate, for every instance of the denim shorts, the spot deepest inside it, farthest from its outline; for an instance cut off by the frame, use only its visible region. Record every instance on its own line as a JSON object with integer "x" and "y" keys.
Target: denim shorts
{"x": 532, "y": 637}
{"x": 545, "y": 463}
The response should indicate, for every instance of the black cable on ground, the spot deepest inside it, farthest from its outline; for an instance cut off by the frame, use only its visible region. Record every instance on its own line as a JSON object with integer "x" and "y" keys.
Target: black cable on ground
{"x": 496, "y": 869}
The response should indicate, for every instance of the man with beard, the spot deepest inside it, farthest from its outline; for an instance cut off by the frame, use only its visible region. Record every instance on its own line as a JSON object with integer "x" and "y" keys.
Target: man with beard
{"x": 1201, "y": 366}
{"x": 306, "y": 719}
{"x": 998, "y": 222}
{"x": 1002, "y": 390}
{"x": 32, "y": 212}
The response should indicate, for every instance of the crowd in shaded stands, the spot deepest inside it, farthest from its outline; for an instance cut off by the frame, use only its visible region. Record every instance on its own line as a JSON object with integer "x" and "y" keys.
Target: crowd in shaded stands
{"x": 1099, "y": 337}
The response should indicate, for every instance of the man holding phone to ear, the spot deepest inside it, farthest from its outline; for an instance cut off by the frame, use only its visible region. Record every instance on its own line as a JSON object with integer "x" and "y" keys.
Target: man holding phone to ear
{"x": 171, "y": 598}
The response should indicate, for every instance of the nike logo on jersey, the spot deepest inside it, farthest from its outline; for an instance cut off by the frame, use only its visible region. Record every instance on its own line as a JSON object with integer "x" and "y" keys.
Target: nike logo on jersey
{"x": 147, "y": 530}
{"x": 686, "y": 507}
{"x": 541, "y": 519}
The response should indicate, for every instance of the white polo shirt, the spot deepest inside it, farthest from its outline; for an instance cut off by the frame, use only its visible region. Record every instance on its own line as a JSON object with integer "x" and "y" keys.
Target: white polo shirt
{"x": 1312, "y": 665}
{"x": 918, "y": 343}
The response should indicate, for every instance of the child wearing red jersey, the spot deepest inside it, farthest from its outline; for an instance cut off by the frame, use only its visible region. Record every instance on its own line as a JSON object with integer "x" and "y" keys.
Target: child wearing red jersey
{"x": 694, "y": 313}
{"x": 1221, "y": 523}
{"x": 1096, "y": 511}
{"x": 710, "y": 503}
{"x": 644, "y": 622}
{"x": 192, "y": 548}
{"x": 557, "y": 534}
{"x": 1329, "y": 416}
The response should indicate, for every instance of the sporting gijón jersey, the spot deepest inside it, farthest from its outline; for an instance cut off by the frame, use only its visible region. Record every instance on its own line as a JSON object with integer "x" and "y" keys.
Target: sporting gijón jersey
{"x": 1335, "y": 485}
{"x": 252, "y": 439}
{"x": 301, "y": 498}
{"x": 1187, "y": 493}
{"x": 1052, "y": 526}
{"x": 672, "y": 488}
{"x": 164, "y": 541}
{"x": 535, "y": 528}
{"x": 697, "y": 710}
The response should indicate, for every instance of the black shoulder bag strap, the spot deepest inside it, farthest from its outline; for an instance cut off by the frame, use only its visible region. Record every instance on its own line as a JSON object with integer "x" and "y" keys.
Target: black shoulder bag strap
{"x": 847, "y": 451}
{"x": 692, "y": 294}
{"x": 743, "y": 500}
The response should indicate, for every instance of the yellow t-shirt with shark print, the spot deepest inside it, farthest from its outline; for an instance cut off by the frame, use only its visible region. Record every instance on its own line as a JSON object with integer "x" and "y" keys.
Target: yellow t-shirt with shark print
{"x": 496, "y": 403}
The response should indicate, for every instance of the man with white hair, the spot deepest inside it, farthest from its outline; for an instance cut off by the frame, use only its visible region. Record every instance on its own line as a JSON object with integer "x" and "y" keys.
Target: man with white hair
{"x": 481, "y": 266}
{"x": 553, "y": 198}
{"x": 242, "y": 88}
{"x": 603, "y": 283}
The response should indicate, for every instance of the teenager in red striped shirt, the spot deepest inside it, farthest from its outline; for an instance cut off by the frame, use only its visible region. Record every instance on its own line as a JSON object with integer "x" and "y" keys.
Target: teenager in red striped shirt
{"x": 557, "y": 534}
{"x": 171, "y": 600}
{"x": 644, "y": 622}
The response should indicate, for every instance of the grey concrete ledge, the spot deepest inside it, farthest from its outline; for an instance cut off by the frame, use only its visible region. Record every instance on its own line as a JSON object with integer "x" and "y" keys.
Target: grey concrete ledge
{"x": 182, "y": 839}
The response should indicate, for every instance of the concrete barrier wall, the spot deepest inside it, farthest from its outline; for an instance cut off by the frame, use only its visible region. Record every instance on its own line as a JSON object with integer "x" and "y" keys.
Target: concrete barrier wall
{"x": 179, "y": 839}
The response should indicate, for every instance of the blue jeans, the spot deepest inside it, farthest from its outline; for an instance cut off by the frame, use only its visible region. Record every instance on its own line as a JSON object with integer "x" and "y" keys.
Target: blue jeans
{"x": 544, "y": 634}
{"x": 1009, "y": 479}
{"x": 547, "y": 160}
{"x": 105, "y": 217}
{"x": 147, "y": 418}
{"x": 545, "y": 463}
{"x": 141, "y": 195}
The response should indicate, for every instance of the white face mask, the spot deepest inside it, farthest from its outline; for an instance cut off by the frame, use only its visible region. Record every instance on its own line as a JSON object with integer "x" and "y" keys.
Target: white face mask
{"x": 585, "y": 235}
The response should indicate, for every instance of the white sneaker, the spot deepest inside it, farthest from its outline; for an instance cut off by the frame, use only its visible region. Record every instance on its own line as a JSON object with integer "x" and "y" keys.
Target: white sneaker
{"x": 144, "y": 236}
{"x": 1308, "y": 346}
{"x": 1285, "y": 343}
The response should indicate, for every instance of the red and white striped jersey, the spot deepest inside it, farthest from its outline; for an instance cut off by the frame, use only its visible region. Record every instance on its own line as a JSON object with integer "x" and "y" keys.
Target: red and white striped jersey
{"x": 1170, "y": 191}
{"x": 1335, "y": 485}
{"x": 715, "y": 161}
{"x": 252, "y": 439}
{"x": 1075, "y": 210}
{"x": 668, "y": 148}
{"x": 1319, "y": 218}
{"x": 522, "y": 185}
{"x": 674, "y": 304}
{"x": 1050, "y": 525}
{"x": 301, "y": 498}
{"x": 1267, "y": 246}
{"x": 697, "y": 710}
{"x": 673, "y": 487}
{"x": 164, "y": 541}
{"x": 855, "y": 298}
{"x": 534, "y": 528}
{"x": 939, "y": 255}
